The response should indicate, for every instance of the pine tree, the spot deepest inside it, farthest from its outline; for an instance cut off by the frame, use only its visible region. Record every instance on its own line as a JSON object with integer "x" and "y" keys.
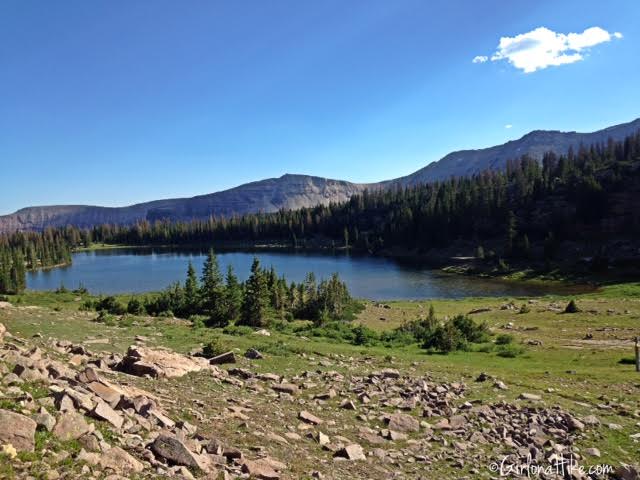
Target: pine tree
{"x": 212, "y": 291}
{"x": 256, "y": 297}
{"x": 233, "y": 296}
{"x": 5, "y": 271}
{"x": 512, "y": 232}
{"x": 191, "y": 291}
{"x": 18, "y": 272}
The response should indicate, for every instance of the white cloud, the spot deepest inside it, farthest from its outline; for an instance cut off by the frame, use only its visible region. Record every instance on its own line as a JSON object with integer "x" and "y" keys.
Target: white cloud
{"x": 541, "y": 48}
{"x": 508, "y": 125}
{"x": 480, "y": 59}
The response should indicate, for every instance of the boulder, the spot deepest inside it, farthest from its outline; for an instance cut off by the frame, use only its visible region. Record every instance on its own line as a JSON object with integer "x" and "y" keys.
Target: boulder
{"x": 260, "y": 469}
{"x": 351, "y": 452}
{"x": 253, "y": 354}
{"x": 17, "y": 430}
{"x": 70, "y": 426}
{"x": 175, "y": 451}
{"x": 157, "y": 363}
{"x": 227, "y": 357}
{"x": 401, "y": 422}
{"x": 289, "y": 388}
{"x": 106, "y": 392}
{"x": 529, "y": 396}
{"x": 120, "y": 461}
{"x": 104, "y": 412}
{"x": 44, "y": 419}
{"x": 309, "y": 418}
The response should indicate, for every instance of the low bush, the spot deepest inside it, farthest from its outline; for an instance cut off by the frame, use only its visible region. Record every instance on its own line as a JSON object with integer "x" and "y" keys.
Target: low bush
{"x": 135, "y": 307}
{"x": 504, "y": 339}
{"x": 571, "y": 307}
{"x": 111, "y": 305}
{"x": 456, "y": 334}
{"x": 510, "y": 350}
{"x": 237, "y": 330}
{"x": 214, "y": 348}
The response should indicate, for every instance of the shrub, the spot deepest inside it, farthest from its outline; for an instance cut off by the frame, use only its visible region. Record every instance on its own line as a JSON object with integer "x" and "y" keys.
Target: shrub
{"x": 88, "y": 306}
{"x": 106, "y": 318}
{"x": 135, "y": 307}
{"x": 447, "y": 338}
{"x": 62, "y": 289}
{"x": 454, "y": 335}
{"x": 485, "y": 348}
{"x": 111, "y": 305}
{"x": 237, "y": 330}
{"x": 571, "y": 307}
{"x": 81, "y": 290}
{"x": 197, "y": 321}
{"x": 524, "y": 308}
{"x": 214, "y": 348}
{"x": 470, "y": 330}
{"x": 397, "y": 338}
{"x": 510, "y": 350}
{"x": 504, "y": 339}
{"x": 364, "y": 336}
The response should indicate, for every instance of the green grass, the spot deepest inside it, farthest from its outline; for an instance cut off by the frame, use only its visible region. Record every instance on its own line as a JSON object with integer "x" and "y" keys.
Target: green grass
{"x": 578, "y": 370}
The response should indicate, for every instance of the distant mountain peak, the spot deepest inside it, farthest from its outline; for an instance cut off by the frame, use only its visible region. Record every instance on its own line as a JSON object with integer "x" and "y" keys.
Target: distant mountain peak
{"x": 291, "y": 190}
{"x": 535, "y": 144}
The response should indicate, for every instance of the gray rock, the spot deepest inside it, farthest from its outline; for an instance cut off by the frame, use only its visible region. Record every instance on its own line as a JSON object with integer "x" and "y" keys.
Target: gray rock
{"x": 17, "y": 430}
{"x": 71, "y": 426}
{"x": 401, "y": 422}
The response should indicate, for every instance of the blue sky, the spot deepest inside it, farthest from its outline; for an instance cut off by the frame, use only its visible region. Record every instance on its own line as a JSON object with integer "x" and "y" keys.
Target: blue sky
{"x": 113, "y": 103}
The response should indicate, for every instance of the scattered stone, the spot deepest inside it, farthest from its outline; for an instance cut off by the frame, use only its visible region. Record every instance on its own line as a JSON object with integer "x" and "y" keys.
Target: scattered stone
{"x": 401, "y": 422}
{"x": 529, "y": 396}
{"x": 289, "y": 388}
{"x": 45, "y": 420}
{"x": 17, "y": 430}
{"x": 253, "y": 354}
{"x": 158, "y": 363}
{"x": 104, "y": 412}
{"x": 260, "y": 469}
{"x": 228, "y": 357}
{"x": 309, "y": 418}
{"x": 70, "y": 426}
{"x": 120, "y": 461}
{"x": 347, "y": 404}
{"x": 593, "y": 452}
{"x": 174, "y": 450}
{"x": 351, "y": 452}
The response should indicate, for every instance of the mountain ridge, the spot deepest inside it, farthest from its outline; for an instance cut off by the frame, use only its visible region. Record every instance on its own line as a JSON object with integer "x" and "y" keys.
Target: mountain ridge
{"x": 291, "y": 191}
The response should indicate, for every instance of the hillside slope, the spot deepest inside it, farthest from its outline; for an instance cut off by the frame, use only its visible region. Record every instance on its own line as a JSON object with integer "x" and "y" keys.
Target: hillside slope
{"x": 535, "y": 144}
{"x": 296, "y": 191}
{"x": 270, "y": 195}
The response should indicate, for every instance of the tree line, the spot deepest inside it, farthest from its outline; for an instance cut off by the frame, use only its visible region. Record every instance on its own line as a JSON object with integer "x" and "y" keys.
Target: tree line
{"x": 585, "y": 195}
{"x": 562, "y": 197}
{"x": 24, "y": 251}
{"x": 222, "y": 299}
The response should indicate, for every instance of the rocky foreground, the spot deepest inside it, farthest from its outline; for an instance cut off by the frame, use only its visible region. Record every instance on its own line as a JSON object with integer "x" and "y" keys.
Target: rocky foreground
{"x": 66, "y": 412}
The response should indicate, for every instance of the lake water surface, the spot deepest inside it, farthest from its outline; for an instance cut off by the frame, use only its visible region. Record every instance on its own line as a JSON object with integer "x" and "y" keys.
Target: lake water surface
{"x": 142, "y": 270}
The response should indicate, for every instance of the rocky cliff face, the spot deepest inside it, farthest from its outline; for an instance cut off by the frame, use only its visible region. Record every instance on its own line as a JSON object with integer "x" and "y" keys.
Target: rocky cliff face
{"x": 296, "y": 191}
{"x": 288, "y": 192}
